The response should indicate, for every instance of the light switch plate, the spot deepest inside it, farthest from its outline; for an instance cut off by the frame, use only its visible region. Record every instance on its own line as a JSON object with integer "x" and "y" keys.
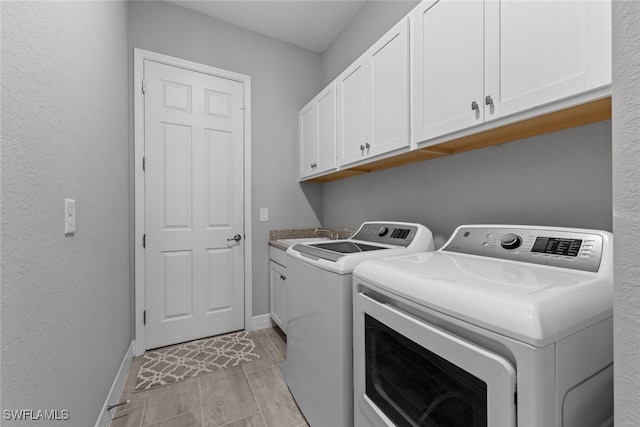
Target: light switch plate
{"x": 264, "y": 214}
{"x": 69, "y": 216}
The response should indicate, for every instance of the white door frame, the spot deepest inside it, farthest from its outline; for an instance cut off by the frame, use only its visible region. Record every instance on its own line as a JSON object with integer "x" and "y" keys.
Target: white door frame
{"x": 140, "y": 56}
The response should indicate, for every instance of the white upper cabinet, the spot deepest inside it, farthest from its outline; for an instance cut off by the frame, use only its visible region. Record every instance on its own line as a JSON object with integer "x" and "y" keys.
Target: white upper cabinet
{"x": 352, "y": 112}
{"x": 454, "y": 74}
{"x": 447, "y": 67}
{"x": 539, "y": 52}
{"x": 308, "y": 128}
{"x": 389, "y": 91}
{"x": 317, "y": 122}
{"x": 327, "y": 131}
{"x": 373, "y": 99}
{"x": 475, "y": 61}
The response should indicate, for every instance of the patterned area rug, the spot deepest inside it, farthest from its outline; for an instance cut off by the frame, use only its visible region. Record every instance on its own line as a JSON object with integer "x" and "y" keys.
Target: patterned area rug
{"x": 176, "y": 363}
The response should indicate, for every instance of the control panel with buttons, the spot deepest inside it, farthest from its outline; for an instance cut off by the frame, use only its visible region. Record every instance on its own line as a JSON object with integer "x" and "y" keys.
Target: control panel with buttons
{"x": 546, "y": 245}
{"x": 387, "y": 233}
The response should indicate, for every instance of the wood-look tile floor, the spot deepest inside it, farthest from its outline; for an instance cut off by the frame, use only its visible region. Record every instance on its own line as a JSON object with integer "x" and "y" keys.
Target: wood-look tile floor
{"x": 250, "y": 395}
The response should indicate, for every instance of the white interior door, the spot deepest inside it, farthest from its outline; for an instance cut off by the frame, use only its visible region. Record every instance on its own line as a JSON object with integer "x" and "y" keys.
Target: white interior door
{"x": 194, "y": 185}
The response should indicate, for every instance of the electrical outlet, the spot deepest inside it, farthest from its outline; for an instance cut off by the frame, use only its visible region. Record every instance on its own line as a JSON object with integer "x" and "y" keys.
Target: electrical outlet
{"x": 264, "y": 214}
{"x": 69, "y": 216}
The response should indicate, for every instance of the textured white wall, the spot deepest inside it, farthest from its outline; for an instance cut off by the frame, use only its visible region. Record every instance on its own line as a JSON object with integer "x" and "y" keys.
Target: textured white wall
{"x": 65, "y": 300}
{"x": 626, "y": 210}
{"x": 283, "y": 79}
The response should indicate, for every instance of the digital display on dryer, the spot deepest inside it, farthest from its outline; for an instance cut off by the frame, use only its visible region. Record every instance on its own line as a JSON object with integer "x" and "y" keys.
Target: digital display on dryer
{"x": 556, "y": 246}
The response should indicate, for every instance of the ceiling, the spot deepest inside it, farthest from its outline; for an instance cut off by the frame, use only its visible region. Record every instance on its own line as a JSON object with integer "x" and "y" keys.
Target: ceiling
{"x": 311, "y": 24}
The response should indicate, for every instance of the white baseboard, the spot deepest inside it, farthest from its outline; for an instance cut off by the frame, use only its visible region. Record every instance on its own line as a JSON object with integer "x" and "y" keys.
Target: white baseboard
{"x": 116, "y": 388}
{"x": 263, "y": 321}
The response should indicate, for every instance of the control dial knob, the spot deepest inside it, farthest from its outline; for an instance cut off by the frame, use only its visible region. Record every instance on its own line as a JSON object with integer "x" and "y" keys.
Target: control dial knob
{"x": 510, "y": 241}
{"x": 382, "y": 231}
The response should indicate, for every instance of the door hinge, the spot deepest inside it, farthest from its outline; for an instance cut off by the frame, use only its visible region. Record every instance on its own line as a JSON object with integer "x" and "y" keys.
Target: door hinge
{"x": 144, "y": 317}
{"x": 144, "y": 240}
{"x": 144, "y": 163}
{"x": 144, "y": 86}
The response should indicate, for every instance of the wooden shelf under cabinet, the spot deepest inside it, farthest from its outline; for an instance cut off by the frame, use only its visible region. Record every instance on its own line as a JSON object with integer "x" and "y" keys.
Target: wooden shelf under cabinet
{"x": 590, "y": 112}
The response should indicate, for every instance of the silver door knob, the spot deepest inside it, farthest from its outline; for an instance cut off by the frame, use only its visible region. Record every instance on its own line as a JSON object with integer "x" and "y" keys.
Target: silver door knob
{"x": 237, "y": 238}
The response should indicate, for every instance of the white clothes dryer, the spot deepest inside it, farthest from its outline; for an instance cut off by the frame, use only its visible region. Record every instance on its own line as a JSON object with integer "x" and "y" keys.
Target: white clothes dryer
{"x": 504, "y": 326}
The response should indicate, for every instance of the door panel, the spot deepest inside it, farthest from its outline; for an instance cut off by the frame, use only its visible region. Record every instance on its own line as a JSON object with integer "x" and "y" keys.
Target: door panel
{"x": 219, "y": 280}
{"x": 218, "y": 104}
{"x": 551, "y": 38}
{"x": 326, "y": 122}
{"x": 177, "y": 284}
{"x": 194, "y": 203}
{"x": 176, "y": 96}
{"x": 308, "y": 138}
{"x": 278, "y": 294}
{"x": 352, "y": 113}
{"x": 448, "y": 70}
{"x": 176, "y": 176}
{"x": 536, "y": 53}
{"x": 219, "y": 156}
{"x": 389, "y": 120}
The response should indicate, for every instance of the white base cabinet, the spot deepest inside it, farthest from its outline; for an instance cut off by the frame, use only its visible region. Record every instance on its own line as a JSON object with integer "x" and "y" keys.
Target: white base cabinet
{"x": 278, "y": 287}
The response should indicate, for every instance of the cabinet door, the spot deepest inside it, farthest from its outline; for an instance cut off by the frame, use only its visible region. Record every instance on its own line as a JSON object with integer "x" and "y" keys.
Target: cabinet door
{"x": 352, "y": 113}
{"x": 389, "y": 91}
{"x": 327, "y": 137}
{"x": 278, "y": 295}
{"x": 538, "y": 52}
{"x": 447, "y": 67}
{"x": 308, "y": 129}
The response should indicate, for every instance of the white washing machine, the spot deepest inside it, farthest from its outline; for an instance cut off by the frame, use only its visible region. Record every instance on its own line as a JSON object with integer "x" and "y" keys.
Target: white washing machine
{"x": 504, "y": 326}
{"x": 319, "y": 365}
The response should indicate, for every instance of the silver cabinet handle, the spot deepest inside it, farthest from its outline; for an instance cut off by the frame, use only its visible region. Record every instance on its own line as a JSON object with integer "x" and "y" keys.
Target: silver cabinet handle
{"x": 313, "y": 165}
{"x": 488, "y": 100}
{"x": 282, "y": 277}
{"x": 237, "y": 238}
{"x": 367, "y": 145}
{"x": 361, "y": 147}
{"x": 475, "y": 106}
